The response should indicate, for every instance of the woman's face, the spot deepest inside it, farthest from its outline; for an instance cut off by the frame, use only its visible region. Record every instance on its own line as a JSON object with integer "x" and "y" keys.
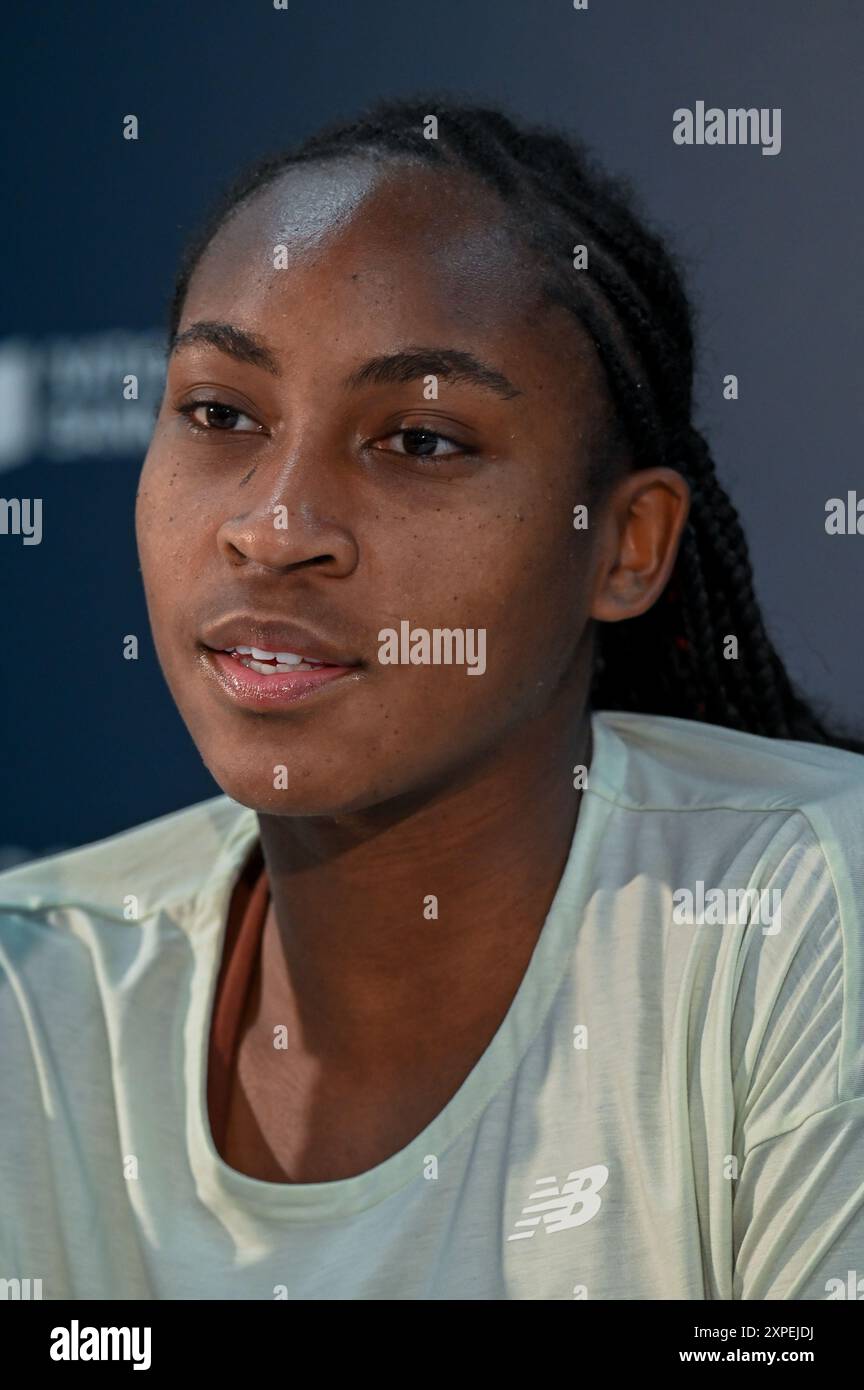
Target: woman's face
{"x": 398, "y": 433}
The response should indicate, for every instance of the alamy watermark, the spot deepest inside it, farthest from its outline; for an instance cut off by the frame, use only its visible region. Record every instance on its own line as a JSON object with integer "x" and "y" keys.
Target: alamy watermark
{"x": 77, "y": 1343}
{"x": 438, "y": 646}
{"x": 845, "y": 516}
{"x": 727, "y": 906}
{"x": 737, "y": 126}
{"x": 20, "y": 1290}
{"x": 21, "y": 516}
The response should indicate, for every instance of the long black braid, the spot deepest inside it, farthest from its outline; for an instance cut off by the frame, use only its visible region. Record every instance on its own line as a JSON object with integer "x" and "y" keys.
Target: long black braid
{"x": 631, "y": 299}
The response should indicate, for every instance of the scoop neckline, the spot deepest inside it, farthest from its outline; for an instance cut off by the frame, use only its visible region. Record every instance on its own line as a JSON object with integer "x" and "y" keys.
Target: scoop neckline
{"x": 218, "y": 1183}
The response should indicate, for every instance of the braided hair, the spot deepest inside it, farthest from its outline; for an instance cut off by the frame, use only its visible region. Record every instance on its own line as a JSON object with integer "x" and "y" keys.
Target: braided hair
{"x": 631, "y": 300}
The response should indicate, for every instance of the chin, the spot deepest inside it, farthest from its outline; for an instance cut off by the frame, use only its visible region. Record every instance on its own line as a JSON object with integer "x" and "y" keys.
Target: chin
{"x": 305, "y": 793}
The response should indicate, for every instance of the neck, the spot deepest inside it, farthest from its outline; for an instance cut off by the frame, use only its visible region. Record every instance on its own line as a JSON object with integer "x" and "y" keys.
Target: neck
{"x": 424, "y": 911}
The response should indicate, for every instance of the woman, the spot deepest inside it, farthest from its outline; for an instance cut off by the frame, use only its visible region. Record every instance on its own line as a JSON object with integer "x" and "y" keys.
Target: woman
{"x": 545, "y": 985}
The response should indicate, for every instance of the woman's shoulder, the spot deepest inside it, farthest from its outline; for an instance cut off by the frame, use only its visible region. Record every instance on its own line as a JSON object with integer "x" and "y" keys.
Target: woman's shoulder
{"x": 748, "y": 813}
{"x": 662, "y": 762}
{"x": 129, "y": 876}
{"x": 773, "y": 831}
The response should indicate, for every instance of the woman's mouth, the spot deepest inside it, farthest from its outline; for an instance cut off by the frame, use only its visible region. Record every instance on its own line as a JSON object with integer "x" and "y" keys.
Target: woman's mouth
{"x": 257, "y": 677}
{"x": 268, "y": 663}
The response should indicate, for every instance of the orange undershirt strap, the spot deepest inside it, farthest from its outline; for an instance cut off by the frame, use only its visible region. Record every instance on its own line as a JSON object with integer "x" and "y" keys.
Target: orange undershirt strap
{"x": 247, "y": 914}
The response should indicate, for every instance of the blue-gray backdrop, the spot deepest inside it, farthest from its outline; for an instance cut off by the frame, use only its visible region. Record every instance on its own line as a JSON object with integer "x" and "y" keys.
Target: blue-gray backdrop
{"x": 90, "y": 742}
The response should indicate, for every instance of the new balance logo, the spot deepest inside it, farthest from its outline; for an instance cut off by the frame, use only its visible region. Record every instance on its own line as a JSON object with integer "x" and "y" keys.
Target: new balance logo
{"x": 574, "y": 1203}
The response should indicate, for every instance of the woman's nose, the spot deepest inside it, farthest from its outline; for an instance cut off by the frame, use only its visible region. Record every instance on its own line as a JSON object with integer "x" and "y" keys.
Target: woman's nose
{"x": 299, "y": 521}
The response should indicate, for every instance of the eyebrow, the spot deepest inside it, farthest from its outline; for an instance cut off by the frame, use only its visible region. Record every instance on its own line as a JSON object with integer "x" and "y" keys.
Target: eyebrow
{"x": 238, "y": 343}
{"x": 406, "y": 365}
{"x": 451, "y": 363}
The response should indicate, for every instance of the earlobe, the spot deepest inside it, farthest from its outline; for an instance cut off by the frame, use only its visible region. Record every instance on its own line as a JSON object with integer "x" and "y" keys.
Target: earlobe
{"x": 624, "y": 595}
{"x": 645, "y": 516}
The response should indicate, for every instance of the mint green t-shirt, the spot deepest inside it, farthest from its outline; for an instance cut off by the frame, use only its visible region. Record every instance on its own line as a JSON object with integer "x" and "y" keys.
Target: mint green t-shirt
{"x": 672, "y": 1108}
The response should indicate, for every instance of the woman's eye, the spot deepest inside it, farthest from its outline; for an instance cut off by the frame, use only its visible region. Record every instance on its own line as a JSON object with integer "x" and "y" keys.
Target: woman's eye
{"x": 216, "y": 415}
{"x": 422, "y": 443}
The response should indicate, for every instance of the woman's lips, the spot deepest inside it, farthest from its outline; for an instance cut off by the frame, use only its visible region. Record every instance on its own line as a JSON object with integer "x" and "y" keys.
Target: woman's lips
{"x": 253, "y": 688}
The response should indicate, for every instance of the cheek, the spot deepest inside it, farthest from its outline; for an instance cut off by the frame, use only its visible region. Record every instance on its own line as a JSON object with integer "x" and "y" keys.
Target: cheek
{"x": 168, "y": 527}
{"x": 151, "y": 503}
{"x": 167, "y": 568}
{"x": 519, "y": 571}
{"x": 519, "y": 575}
{"x": 147, "y": 529}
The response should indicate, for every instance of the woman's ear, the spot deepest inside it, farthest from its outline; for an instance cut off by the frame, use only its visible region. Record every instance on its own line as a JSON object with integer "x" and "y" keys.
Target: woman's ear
{"x": 643, "y": 517}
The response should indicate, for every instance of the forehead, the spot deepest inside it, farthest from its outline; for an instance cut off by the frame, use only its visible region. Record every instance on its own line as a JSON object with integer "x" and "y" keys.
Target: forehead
{"x": 388, "y": 252}
{"x": 439, "y": 232}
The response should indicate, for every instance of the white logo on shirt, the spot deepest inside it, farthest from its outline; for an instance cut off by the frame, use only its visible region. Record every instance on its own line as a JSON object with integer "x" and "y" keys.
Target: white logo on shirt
{"x": 574, "y": 1203}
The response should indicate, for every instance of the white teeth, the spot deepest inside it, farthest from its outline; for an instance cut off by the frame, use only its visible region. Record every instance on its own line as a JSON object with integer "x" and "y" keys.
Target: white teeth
{"x": 277, "y": 663}
{"x": 277, "y": 668}
{"x": 260, "y": 654}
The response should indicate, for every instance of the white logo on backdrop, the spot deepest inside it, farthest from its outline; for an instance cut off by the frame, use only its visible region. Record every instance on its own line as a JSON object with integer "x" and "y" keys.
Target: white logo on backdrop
{"x": 63, "y": 398}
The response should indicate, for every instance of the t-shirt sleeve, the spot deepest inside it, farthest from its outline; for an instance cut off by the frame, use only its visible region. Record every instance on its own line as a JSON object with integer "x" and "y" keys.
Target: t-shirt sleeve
{"x": 799, "y": 1211}
{"x": 798, "y": 1046}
